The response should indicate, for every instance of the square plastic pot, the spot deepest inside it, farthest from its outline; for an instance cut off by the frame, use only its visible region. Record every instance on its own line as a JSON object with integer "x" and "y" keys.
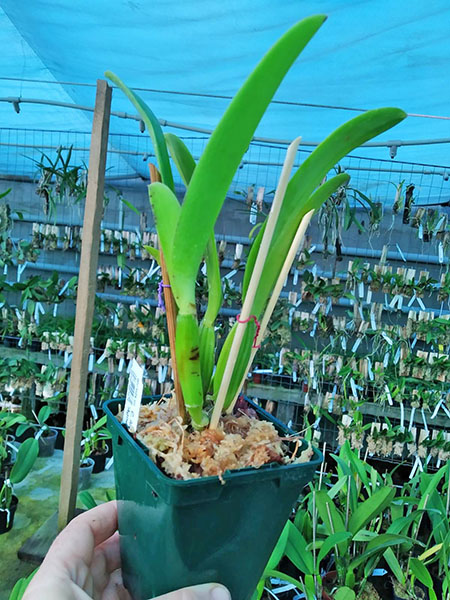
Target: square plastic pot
{"x": 179, "y": 533}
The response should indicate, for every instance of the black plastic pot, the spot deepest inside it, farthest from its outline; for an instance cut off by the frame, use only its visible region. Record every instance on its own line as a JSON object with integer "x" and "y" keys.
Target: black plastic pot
{"x": 7, "y": 516}
{"x": 99, "y": 460}
{"x": 47, "y": 443}
{"x": 180, "y": 533}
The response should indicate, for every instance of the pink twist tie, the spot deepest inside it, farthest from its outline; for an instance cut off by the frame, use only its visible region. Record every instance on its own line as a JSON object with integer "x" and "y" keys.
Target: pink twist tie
{"x": 258, "y": 327}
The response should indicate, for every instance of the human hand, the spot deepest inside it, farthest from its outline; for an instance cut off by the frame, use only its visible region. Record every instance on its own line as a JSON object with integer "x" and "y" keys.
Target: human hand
{"x": 83, "y": 563}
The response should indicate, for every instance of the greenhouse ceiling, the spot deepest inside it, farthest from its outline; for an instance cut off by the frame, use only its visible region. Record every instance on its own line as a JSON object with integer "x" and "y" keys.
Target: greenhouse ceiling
{"x": 189, "y": 57}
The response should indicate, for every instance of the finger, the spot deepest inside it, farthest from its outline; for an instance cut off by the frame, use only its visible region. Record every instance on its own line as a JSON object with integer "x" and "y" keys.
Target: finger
{"x": 85, "y": 532}
{"x": 206, "y": 591}
{"x": 105, "y": 561}
{"x": 111, "y": 551}
{"x": 115, "y": 589}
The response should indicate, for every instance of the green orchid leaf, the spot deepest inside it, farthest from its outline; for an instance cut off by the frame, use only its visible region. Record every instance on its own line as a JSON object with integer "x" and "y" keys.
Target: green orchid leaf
{"x": 394, "y": 565}
{"x": 331, "y": 517}
{"x": 344, "y": 593}
{"x": 153, "y": 252}
{"x": 279, "y": 549}
{"x": 337, "y": 145}
{"x": 296, "y": 551}
{"x": 370, "y": 508}
{"x": 377, "y": 545}
{"x": 181, "y": 156}
{"x": 330, "y": 542}
{"x": 166, "y": 210}
{"x": 419, "y": 570}
{"x": 153, "y": 127}
{"x": 26, "y": 457}
{"x": 215, "y": 170}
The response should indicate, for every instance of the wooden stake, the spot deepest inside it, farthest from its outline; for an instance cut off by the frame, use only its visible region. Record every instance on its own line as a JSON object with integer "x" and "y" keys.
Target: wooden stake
{"x": 87, "y": 282}
{"x": 254, "y": 281}
{"x": 298, "y": 239}
{"x": 171, "y": 314}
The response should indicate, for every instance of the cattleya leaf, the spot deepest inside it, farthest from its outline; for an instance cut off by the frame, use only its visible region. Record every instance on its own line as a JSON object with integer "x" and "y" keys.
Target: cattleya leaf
{"x": 229, "y": 141}
{"x": 153, "y": 127}
{"x": 166, "y": 210}
{"x": 309, "y": 175}
{"x": 183, "y": 159}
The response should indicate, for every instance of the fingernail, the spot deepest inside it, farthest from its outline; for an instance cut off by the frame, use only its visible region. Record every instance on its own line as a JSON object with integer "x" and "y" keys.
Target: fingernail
{"x": 220, "y": 592}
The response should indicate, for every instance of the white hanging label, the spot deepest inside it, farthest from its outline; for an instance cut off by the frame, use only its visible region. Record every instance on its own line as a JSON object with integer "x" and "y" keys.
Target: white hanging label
{"x": 134, "y": 396}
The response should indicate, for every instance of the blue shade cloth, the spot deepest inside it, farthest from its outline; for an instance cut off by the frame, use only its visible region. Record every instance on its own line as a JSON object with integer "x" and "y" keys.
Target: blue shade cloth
{"x": 368, "y": 54}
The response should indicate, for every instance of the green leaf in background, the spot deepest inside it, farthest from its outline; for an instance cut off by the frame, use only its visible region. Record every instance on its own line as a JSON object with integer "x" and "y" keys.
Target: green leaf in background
{"x": 26, "y": 457}
{"x": 381, "y": 542}
{"x": 279, "y": 549}
{"x": 331, "y": 541}
{"x": 87, "y": 500}
{"x": 331, "y": 517}
{"x": 371, "y": 508}
{"x": 20, "y": 587}
{"x": 394, "y": 565}
{"x": 296, "y": 551}
{"x": 344, "y": 593}
{"x": 153, "y": 252}
{"x": 130, "y": 206}
{"x": 419, "y": 570}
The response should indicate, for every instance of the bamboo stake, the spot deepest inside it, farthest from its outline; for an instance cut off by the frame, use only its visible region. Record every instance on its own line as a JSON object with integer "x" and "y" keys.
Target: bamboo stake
{"x": 298, "y": 239}
{"x": 171, "y": 314}
{"x": 87, "y": 282}
{"x": 254, "y": 280}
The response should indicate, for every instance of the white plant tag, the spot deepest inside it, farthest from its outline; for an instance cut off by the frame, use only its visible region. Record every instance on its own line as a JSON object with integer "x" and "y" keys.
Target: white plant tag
{"x": 356, "y": 344}
{"x": 388, "y": 394}
{"x": 387, "y": 338}
{"x": 91, "y": 363}
{"x": 369, "y": 296}
{"x": 109, "y": 463}
{"x": 369, "y": 369}
{"x": 134, "y": 396}
{"x": 401, "y": 253}
{"x": 94, "y": 412}
{"x": 441, "y": 252}
{"x": 121, "y": 364}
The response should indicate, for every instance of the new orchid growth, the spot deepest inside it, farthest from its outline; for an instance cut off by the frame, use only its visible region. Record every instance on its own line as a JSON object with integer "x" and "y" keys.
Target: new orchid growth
{"x": 186, "y": 232}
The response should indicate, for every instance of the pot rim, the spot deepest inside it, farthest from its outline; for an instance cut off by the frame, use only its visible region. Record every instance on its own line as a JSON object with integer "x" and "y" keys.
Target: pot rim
{"x": 269, "y": 469}
{"x": 88, "y": 460}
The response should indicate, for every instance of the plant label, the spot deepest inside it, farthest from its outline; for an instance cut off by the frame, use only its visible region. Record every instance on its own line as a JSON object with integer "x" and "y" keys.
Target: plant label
{"x": 134, "y": 396}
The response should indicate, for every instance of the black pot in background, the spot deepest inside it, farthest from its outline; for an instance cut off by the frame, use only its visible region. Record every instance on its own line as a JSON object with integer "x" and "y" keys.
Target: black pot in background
{"x": 59, "y": 441}
{"x": 6, "y": 521}
{"x": 47, "y": 443}
{"x": 100, "y": 460}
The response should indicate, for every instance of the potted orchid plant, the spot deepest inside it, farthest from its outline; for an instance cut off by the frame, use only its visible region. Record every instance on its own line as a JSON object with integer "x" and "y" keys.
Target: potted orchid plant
{"x": 194, "y": 439}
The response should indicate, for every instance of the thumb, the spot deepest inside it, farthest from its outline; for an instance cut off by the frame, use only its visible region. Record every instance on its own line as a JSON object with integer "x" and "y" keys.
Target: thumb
{"x": 206, "y": 591}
